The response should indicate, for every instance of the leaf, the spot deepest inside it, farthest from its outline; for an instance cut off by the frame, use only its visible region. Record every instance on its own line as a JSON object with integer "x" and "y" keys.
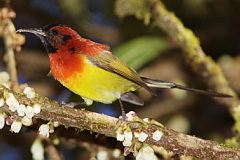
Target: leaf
{"x": 137, "y": 52}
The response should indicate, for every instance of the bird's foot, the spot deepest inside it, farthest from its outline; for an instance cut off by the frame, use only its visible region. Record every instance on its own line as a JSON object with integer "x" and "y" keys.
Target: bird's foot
{"x": 123, "y": 116}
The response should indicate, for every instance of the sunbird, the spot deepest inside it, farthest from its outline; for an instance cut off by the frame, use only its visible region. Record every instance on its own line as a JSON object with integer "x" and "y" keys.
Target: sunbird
{"x": 91, "y": 71}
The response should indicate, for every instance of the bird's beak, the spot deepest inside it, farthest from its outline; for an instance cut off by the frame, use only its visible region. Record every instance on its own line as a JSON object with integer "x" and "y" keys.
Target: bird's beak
{"x": 37, "y": 32}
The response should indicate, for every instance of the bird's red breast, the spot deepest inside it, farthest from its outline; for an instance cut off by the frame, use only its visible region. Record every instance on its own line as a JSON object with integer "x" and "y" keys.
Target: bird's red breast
{"x": 64, "y": 65}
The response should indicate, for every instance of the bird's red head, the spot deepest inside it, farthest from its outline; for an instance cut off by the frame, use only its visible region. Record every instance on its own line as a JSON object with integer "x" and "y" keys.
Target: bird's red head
{"x": 59, "y": 38}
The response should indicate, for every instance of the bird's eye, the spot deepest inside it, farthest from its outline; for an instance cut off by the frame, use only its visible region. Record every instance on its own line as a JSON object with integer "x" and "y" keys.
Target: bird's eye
{"x": 55, "y": 32}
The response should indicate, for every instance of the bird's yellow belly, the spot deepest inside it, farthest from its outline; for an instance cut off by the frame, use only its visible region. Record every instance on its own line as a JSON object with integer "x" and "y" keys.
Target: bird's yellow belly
{"x": 98, "y": 84}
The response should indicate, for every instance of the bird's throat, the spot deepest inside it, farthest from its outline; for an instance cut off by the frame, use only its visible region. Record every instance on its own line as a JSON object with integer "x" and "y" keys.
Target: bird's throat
{"x": 65, "y": 65}
{"x": 49, "y": 48}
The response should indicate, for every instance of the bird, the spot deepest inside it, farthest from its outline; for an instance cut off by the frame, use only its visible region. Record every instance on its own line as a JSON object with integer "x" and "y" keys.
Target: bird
{"x": 90, "y": 70}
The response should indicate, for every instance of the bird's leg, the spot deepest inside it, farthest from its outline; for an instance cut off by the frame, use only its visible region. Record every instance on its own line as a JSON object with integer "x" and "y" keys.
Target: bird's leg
{"x": 73, "y": 104}
{"x": 124, "y": 117}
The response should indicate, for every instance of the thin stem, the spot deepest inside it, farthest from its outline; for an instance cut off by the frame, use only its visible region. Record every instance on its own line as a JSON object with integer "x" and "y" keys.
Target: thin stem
{"x": 9, "y": 41}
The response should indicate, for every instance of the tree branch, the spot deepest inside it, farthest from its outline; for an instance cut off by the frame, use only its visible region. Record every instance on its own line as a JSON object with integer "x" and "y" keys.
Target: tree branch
{"x": 171, "y": 140}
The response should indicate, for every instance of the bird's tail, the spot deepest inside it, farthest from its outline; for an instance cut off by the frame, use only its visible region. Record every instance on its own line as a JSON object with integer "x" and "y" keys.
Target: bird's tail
{"x": 164, "y": 84}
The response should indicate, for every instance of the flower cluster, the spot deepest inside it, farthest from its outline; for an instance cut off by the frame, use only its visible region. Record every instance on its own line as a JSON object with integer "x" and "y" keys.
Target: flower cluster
{"x": 29, "y": 92}
{"x": 25, "y": 112}
{"x": 125, "y": 135}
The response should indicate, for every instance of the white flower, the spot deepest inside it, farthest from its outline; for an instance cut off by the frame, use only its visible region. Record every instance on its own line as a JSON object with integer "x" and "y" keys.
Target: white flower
{"x": 4, "y": 77}
{"x": 127, "y": 143}
{"x": 131, "y": 115}
{"x": 16, "y": 126}
{"x": 29, "y": 111}
{"x": 128, "y": 135}
{"x": 102, "y": 155}
{"x": 145, "y": 154}
{"x": 1, "y": 102}
{"x": 29, "y": 92}
{"x": 31, "y": 95}
{"x": 12, "y": 102}
{"x": 142, "y": 136}
{"x": 37, "y": 150}
{"x": 120, "y": 137}
{"x": 2, "y": 120}
{"x": 44, "y": 130}
{"x": 21, "y": 109}
{"x": 116, "y": 153}
{"x": 120, "y": 134}
{"x": 37, "y": 108}
{"x": 157, "y": 135}
{"x": 26, "y": 121}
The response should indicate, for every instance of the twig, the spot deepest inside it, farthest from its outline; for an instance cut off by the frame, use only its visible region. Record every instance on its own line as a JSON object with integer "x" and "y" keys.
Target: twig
{"x": 10, "y": 58}
{"x": 11, "y": 39}
{"x": 51, "y": 150}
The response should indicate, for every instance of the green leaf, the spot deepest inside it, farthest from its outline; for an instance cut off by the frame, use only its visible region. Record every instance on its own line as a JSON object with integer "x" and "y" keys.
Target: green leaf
{"x": 137, "y": 52}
